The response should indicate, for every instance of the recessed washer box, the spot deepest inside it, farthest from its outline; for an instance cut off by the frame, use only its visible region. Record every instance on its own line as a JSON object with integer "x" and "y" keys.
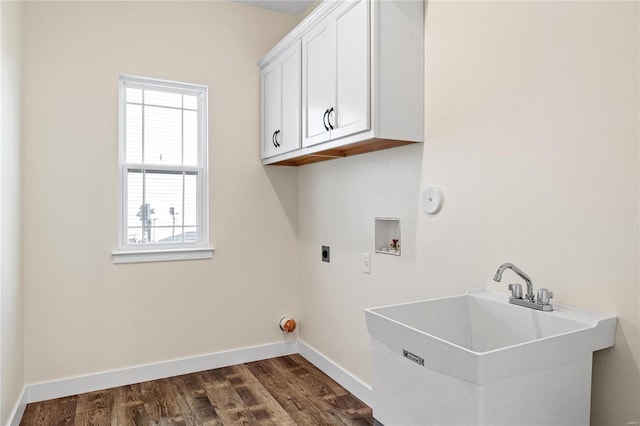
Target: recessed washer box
{"x": 387, "y": 235}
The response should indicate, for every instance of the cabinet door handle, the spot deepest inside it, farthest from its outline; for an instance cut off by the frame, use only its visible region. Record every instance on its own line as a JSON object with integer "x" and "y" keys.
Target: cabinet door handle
{"x": 324, "y": 120}
{"x": 329, "y": 118}
{"x": 277, "y": 142}
{"x": 273, "y": 139}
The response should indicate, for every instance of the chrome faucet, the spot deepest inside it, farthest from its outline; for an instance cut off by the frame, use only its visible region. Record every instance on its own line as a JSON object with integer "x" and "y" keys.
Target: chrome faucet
{"x": 529, "y": 300}
{"x": 498, "y": 276}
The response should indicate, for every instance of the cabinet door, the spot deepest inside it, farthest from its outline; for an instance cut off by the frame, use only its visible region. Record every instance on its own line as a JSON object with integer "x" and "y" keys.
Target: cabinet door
{"x": 318, "y": 56}
{"x": 270, "y": 82}
{"x": 289, "y": 138}
{"x": 352, "y": 82}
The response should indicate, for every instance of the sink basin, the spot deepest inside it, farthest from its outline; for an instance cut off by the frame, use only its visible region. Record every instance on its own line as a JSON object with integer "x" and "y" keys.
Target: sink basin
{"x": 489, "y": 355}
{"x": 489, "y": 338}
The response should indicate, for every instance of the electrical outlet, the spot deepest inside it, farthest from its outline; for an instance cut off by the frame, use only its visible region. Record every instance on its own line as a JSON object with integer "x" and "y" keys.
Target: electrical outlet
{"x": 326, "y": 254}
{"x": 366, "y": 263}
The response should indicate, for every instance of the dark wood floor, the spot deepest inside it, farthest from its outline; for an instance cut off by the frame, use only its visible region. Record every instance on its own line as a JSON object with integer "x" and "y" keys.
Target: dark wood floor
{"x": 279, "y": 391}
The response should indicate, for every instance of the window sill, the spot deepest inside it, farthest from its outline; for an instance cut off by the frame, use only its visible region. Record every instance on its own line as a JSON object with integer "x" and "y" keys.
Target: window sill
{"x": 139, "y": 256}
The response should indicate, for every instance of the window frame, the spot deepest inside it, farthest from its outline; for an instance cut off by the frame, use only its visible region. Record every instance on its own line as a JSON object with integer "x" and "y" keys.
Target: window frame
{"x": 153, "y": 252}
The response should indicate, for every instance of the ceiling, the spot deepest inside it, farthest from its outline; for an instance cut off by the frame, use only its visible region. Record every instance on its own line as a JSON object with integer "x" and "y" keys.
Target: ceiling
{"x": 291, "y": 7}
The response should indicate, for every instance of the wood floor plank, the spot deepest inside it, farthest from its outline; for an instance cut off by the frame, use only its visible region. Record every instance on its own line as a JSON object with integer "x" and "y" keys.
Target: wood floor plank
{"x": 278, "y": 391}
{"x": 263, "y": 405}
{"x": 228, "y": 404}
{"x": 128, "y": 408}
{"x": 128, "y": 414}
{"x": 57, "y": 412}
{"x": 31, "y": 414}
{"x": 318, "y": 375}
{"x": 92, "y": 401}
{"x": 309, "y": 382}
{"x": 238, "y": 375}
{"x": 159, "y": 400}
{"x": 349, "y": 409}
{"x": 193, "y": 401}
{"x": 97, "y": 417}
{"x": 201, "y": 405}
{"x": 298, "y": 406}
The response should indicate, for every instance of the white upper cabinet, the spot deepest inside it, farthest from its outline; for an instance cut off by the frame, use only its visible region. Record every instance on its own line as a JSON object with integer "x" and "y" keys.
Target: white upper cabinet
{"x": 271, "y": 110}
{"x": 317, "y": 83}
{"x": 280, "y": 84}
{"x": 335, "y": 75}
{"x": 361, "y": 71}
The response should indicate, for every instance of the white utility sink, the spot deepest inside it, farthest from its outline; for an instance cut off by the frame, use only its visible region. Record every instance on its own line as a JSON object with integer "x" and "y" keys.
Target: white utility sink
{"x": 476, "y": 359}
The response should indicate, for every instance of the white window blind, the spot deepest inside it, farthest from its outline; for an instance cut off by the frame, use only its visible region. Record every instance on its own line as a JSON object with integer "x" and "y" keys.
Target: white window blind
{"x": 163, "y": 156}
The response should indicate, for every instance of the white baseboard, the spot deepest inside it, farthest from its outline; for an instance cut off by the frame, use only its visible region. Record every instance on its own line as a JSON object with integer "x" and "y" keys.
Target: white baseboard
{"x": 18, "y": 410}
{"x": 109, "y": 379}
{"x": 337, "y": 373}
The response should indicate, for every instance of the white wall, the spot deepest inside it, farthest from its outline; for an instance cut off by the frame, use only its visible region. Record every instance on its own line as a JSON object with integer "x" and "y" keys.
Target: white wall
{"x": 11, "y": 290}
{"x": 83, "y": 313}
{"x": 532, "y": 133}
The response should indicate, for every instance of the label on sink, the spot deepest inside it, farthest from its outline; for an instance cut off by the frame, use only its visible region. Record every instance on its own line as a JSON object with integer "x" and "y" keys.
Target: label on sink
{"x": 413, "y": 357}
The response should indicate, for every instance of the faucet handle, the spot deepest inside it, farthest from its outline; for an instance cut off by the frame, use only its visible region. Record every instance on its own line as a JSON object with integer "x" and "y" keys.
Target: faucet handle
{"x": 544, "y": 295}
{"x": 516, "y": 291}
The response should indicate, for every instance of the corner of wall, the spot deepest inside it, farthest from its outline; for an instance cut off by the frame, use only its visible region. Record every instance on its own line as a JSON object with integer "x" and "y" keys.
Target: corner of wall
{"x": 11, "y": 288}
